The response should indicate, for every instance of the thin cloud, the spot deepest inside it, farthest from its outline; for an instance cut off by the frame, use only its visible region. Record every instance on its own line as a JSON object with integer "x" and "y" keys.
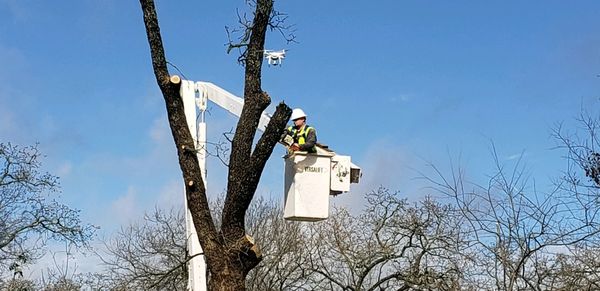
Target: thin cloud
{"x": 159, "y": 132}
{"x": 7, "y": 120}
{"x": 171, "y": 195}
{"x": 65, "y": 169}
{"x": 14, "y": 63}
{"x": 125, "y": 208}
{"x": 401, "y": 98}
{"x": 516, "y": 156}
{"x": 385, "y": 164}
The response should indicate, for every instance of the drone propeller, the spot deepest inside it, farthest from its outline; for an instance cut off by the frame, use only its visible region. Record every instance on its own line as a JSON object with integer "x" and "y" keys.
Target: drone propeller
{"x": 282, "y": 51}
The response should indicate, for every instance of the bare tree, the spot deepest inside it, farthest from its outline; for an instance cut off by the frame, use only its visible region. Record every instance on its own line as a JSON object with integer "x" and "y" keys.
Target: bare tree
{"x": 283, "y": 247}
{"x": 63, "y": 275}
{"x": 58, "y": 281}
{"x": 148, "y": 255}
{"x": 391, "y": 245}
{"x": 18, "y": 284}
{"x": 578, "y": 268}
{"x": 230, "y": 253}
{"x": 517, "y": 230}
{"x": 152, "y": 255}
{"x": 575, "y": 269}
{"x": 583, "y": 152}
{"x": 29, "y": 216}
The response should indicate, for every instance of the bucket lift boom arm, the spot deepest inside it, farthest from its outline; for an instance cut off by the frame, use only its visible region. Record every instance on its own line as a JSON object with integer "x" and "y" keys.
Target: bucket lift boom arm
{"x": 225, "y": 100}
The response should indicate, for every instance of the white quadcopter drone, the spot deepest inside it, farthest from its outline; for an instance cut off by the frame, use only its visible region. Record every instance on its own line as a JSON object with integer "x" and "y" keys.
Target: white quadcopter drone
{"x": 274, "y": 57}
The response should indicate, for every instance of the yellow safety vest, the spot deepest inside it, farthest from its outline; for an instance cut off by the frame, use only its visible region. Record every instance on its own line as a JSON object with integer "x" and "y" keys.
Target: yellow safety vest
{"x": 300, "y": 136}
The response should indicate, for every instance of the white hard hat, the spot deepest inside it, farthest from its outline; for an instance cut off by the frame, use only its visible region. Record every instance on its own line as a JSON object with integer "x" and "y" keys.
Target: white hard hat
{"x": 297, "y": 113}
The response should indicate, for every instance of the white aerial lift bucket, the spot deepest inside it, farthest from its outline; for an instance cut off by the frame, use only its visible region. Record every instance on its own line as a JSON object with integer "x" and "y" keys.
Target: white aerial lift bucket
{"x": 311, "y": 178}
{"x": 307, "y": 178}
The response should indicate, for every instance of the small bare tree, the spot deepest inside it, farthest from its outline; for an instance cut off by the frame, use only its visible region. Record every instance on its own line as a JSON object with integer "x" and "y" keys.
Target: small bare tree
{"x": 391, "y": 245}
{"x": 29, "y": 216}
{"x": 63, "y": 275}
{"x": 516, "y": 229}
{"x": 18, "y": 284}
{"x": 578, "y": 268}
{"x": 583, "y": 153}
{"x": 283, "y": 248}
{"x": 148, "y": 255}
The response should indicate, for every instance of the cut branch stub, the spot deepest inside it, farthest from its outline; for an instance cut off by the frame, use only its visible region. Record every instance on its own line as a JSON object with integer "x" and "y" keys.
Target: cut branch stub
{"x": 175, "y": 79}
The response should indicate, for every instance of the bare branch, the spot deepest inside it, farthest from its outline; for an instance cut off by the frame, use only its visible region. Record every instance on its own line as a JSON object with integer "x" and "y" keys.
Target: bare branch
{"x": 28, "y": 215}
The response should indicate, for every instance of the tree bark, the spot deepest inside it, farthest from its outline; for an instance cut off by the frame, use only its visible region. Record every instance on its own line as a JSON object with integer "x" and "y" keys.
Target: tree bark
{"x": 229, "y": 254}
{"x": 243, "y": 176}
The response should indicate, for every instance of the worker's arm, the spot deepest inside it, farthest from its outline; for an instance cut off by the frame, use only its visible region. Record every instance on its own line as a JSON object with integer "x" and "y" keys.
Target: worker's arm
{"x": 311, "y": 140}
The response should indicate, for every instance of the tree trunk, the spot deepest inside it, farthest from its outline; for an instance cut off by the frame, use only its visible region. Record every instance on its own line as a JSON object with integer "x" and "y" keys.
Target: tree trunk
{"x": 230, "y": 254}
{"x": 229, "y": 281}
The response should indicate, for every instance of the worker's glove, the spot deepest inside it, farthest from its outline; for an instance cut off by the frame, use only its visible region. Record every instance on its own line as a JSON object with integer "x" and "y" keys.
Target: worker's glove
{"x": 295, "y": 147}
{"x": 286, "y": 139}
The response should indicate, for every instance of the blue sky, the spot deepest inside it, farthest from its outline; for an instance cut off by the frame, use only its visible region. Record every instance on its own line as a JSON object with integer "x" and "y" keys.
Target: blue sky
{"x": 394, "y": 84}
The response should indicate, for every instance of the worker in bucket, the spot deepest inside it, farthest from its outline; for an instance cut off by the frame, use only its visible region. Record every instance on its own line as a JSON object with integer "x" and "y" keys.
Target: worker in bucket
{"x": 305, "y": 136}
